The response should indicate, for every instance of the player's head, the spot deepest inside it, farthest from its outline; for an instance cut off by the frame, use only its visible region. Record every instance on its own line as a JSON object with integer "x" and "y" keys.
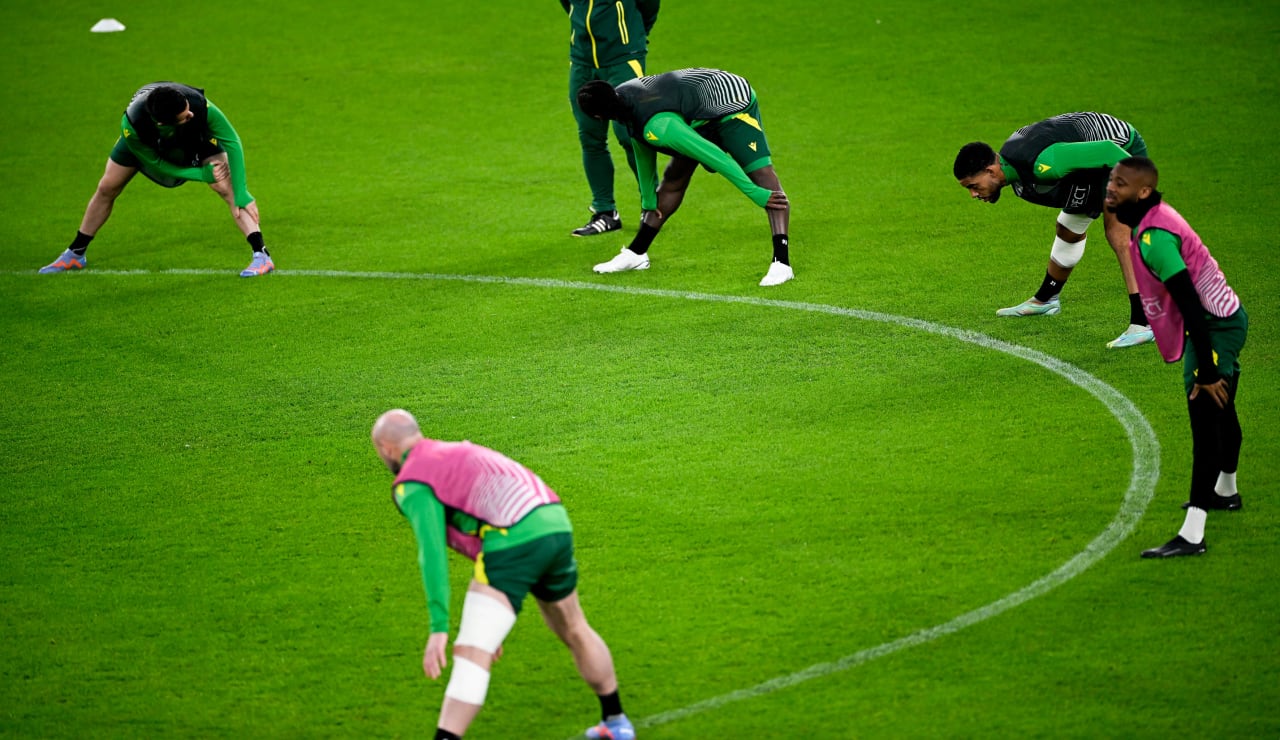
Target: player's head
{"x": 1132, "y": 185}
{"x": 977, "y": 168}
{"x": 167, "y": 106}
{"x": 598, "y": 99}
{"x": 393, "y": 434}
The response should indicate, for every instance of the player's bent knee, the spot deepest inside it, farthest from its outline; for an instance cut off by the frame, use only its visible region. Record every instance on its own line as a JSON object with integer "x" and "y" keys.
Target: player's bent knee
{"x": 1075, "y": 223}
{"x": 1065, "y": 253}
{"x": 486, "y": 622}
{"x": 468, "y": 682}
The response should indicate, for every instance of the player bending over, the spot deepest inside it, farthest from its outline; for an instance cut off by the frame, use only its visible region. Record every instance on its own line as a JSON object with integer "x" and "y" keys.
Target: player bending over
{"x": 500, "y": 514}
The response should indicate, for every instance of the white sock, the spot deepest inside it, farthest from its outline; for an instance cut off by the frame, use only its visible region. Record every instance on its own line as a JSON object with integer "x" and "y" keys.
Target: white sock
{"x": 1193, "y": 526}
{"x": 1226, "y": 485}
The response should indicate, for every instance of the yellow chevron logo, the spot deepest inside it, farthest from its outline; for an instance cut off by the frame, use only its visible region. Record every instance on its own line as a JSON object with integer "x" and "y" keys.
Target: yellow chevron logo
{"x": 1043, "y": 168}
{"x": 649, "y": 135}
{"x": 752, "y": 145}
{"x": 1146, "y": 238}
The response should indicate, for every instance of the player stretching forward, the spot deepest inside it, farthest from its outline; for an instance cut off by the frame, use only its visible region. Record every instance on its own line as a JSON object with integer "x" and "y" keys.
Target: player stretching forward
{"x": 698, "y": 116}
{"x": 1198, "y": 318}
{"x": 500, "y": 514}
{"x": 172, "y": 133}
{"x": 1062, "y": 162}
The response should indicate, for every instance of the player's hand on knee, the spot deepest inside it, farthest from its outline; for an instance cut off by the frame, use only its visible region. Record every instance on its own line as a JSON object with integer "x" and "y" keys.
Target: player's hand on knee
{"x": 1216, "y": 391}
{"x": 778, "y": 201}
{"x": 433, "y": 657}
{"x": 251, "y": 209}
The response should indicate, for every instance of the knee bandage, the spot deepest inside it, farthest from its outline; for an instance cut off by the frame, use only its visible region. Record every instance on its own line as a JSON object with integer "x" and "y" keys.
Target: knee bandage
{"x": 468, "y": 682}
{"x": 1065, "y": 253}
{"x": 485, "y": 622}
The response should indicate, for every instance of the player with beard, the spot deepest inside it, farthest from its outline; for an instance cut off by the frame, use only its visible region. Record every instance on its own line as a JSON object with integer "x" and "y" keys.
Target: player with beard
{"x": 493, "y": 510}
{"x": 1196, "y": 317}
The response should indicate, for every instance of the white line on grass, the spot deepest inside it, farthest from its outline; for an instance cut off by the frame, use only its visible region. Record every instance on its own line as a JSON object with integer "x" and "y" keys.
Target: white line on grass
{"x": 1142, "y": 441}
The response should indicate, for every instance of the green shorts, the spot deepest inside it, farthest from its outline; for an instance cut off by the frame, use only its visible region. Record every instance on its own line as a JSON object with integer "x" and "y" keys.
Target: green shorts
{"x": 123, "y": 156}
{"x": 742, "y": 136}
{"x": 1228, "y": 337}
{"x": 544, "y": 567}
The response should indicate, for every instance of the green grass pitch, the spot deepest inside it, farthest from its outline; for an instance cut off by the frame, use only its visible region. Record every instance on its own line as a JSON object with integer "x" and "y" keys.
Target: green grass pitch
{"x": 196, "y": 539}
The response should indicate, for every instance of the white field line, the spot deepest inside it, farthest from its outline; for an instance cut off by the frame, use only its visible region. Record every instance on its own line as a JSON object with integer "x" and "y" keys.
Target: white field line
{"x": 1143, "y": 444}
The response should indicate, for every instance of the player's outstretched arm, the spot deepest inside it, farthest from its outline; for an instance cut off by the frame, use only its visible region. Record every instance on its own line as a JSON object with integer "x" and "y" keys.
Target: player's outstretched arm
{"x": 227, "y": 137}
{"x": 426, "y": 515}
{"x": 1059, "y": 160}
{"x": 669, "y": 130}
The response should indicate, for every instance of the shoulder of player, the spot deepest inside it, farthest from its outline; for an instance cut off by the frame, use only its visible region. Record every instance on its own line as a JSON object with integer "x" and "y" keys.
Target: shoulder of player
{"x": 405, "y": 489}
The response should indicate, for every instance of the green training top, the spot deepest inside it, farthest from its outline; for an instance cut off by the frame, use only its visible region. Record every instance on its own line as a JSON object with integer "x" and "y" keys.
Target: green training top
{"x": 663, "y": 110}
{"x": 218, "y": 130}
{"x": 1045, "y": 162}
{"x": 607, "y": 33}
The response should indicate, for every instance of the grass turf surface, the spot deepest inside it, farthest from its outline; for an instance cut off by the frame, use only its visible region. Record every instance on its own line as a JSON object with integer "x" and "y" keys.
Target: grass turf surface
{"x": 197, "y": 537}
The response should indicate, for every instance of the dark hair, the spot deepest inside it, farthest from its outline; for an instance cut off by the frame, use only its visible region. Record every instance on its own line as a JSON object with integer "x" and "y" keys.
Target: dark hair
{"x": 598, "y": 98}
{"x": 1141, "y": 164}
{"x": 164, "y": 103}
{"x": 973, "y": 158}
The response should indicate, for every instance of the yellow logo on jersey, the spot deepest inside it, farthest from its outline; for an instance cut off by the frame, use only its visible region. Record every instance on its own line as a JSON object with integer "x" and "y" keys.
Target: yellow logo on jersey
{"x": 1146, "y": 238}
{"x": 650, "y": 136}
{"x": 127, "y": 133}
{"x": 1043, "y": 168}
{"x": 752, "y": 145}
{"x": 747, "y": 119}
{"x": 400, "y": 492}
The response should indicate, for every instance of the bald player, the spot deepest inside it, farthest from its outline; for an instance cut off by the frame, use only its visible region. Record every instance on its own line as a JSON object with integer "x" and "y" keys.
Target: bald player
{"x": 500, "y": 514}
{"x": 1197, "y": 318}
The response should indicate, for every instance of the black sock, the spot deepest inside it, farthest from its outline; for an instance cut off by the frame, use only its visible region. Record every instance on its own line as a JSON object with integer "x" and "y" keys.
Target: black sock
{"x": 442, "y": 734}
{"x": 780, "y": 253}
{"x": 80, "y": 243}
{"x": 610, "y": 705}
{"x": 255, "y": 241}
{"x": 1136, "y": 315}
{"x": 1050, "y": 288}
{"x": 644, "y": 237}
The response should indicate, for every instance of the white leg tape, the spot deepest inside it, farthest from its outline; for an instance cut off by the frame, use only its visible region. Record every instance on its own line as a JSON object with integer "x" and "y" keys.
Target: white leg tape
{"x": 1076, "y": 223}
{"x": 468, "y": 682}
{"x": 485, "y": 622}
{"x": 1065, "y": 253}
